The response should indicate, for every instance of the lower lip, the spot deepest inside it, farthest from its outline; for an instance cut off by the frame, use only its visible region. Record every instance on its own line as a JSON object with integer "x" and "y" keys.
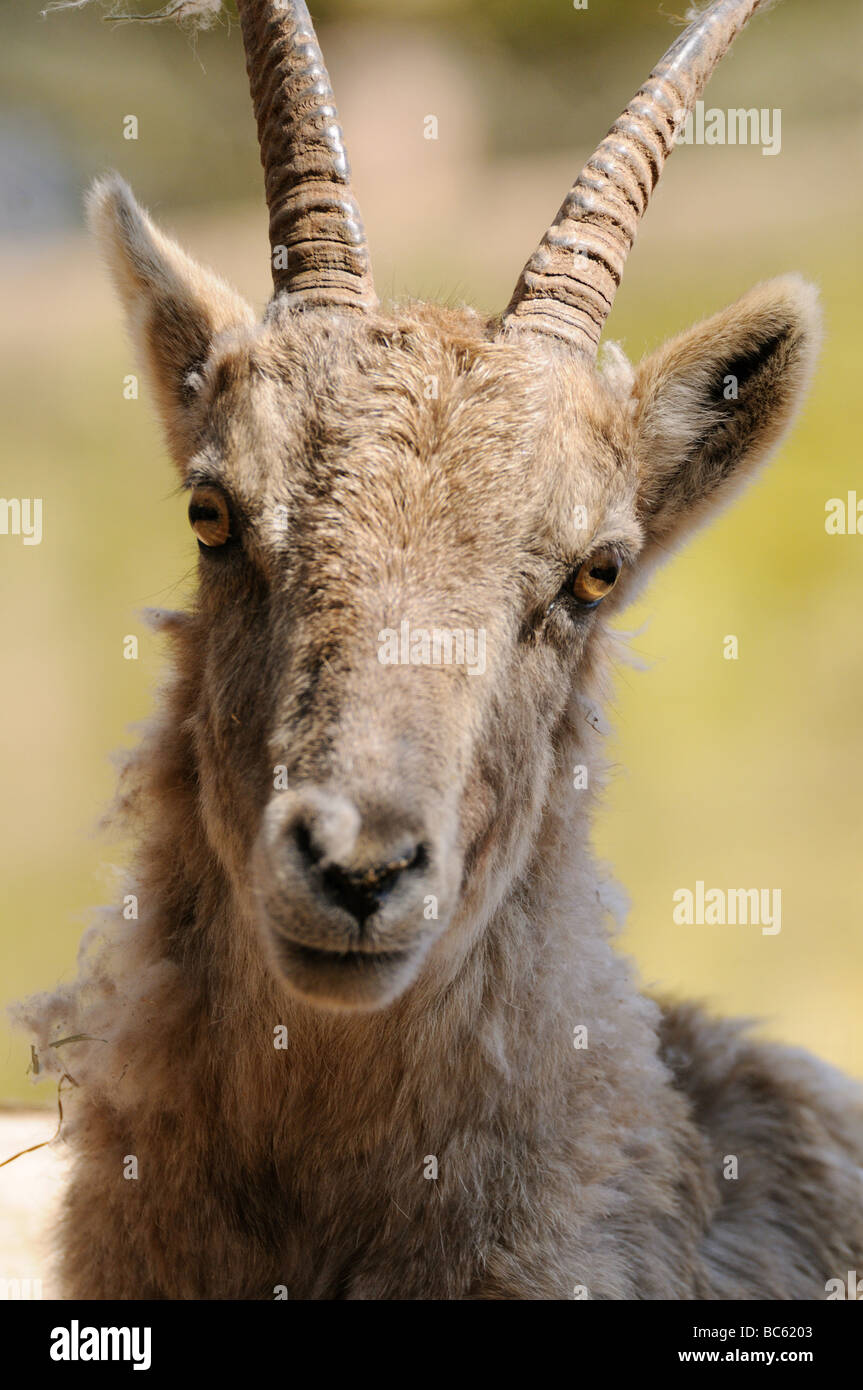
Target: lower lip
{"x": 344, "y": 960}
{"x": 342, "y": 979}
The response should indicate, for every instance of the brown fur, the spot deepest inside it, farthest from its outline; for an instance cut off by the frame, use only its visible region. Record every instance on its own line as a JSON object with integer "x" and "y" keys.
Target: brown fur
{"x": 558, "y": 1168}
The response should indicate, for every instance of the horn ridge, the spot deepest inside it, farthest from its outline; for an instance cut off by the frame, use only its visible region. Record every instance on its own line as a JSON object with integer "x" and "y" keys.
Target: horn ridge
{"x": 317, "y": 239}
{"x": 567, "y": 288}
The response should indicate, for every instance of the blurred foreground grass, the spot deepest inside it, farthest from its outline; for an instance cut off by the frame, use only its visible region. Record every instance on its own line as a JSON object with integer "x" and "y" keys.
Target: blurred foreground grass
{"x": 740, "y": 773}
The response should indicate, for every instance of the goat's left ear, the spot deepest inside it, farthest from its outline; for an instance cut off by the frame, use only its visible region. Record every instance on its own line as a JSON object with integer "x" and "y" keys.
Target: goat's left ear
{"x": 713, "y": 403}
{"x": 174, "y": 307}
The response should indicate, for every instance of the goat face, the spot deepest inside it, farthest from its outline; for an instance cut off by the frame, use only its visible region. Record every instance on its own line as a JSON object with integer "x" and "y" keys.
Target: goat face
{"x": 397, "y": 525}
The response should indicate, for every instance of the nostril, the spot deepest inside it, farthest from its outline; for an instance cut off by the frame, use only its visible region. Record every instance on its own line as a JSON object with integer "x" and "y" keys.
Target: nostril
{"x": 309, "y": 852}
{"x": 420, "y": 858}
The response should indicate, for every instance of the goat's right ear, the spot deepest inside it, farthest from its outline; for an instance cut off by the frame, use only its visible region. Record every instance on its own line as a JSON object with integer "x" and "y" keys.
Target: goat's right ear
{"x": 174, "y": 307}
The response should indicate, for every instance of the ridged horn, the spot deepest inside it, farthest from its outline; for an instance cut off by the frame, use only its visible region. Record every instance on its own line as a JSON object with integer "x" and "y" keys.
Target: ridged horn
{"x": 318, "y": 244}
{"x": 567, "y": 288}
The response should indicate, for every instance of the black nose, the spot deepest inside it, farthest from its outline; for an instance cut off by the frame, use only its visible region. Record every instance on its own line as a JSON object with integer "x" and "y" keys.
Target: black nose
{"x": 358, "y": 890}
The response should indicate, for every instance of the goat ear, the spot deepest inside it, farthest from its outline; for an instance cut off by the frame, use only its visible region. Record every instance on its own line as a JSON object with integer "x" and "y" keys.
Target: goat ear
{"x": 174, "y": 307}
{"x": 713, "y": 403}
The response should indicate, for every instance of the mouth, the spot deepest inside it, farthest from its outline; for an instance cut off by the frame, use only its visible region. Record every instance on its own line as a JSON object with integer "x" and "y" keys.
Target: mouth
{"x": 347, "y": 960}
{"x": 346, "y": 979}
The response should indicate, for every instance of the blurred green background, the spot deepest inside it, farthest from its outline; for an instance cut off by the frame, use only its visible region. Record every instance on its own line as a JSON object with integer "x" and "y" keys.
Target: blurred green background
{"x": 740, "y": 773}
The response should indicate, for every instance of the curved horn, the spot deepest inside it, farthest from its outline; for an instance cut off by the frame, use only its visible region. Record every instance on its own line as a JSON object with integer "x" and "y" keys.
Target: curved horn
{"x": 567, "y": 288}
{"x": 317, "y": 239}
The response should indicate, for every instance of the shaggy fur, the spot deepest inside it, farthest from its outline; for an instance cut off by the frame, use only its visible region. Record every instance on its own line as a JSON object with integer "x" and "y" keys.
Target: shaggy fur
{"x": 557, "y": 1169}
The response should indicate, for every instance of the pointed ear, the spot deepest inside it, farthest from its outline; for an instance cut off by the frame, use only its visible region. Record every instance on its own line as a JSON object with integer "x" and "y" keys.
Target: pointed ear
{"x": 174, "y": 308}
{"x": 712, "y": 404}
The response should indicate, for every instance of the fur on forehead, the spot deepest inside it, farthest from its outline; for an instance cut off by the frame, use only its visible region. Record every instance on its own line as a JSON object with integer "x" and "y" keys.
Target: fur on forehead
{"x": 425, "y": 386}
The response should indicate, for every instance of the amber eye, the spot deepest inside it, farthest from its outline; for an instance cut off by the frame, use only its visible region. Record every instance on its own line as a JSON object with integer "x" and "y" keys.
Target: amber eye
{"x": 595, "y": 578}
{"x": 209, "y": 516}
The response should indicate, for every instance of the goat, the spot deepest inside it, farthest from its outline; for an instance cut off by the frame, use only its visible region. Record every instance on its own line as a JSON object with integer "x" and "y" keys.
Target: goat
{"x": 331, "y": 1054}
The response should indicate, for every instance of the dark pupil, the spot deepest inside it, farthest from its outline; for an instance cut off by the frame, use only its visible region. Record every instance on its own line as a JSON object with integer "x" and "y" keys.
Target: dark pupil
{"x": 199, "y": 513}
{"x": 606, "y": 574}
